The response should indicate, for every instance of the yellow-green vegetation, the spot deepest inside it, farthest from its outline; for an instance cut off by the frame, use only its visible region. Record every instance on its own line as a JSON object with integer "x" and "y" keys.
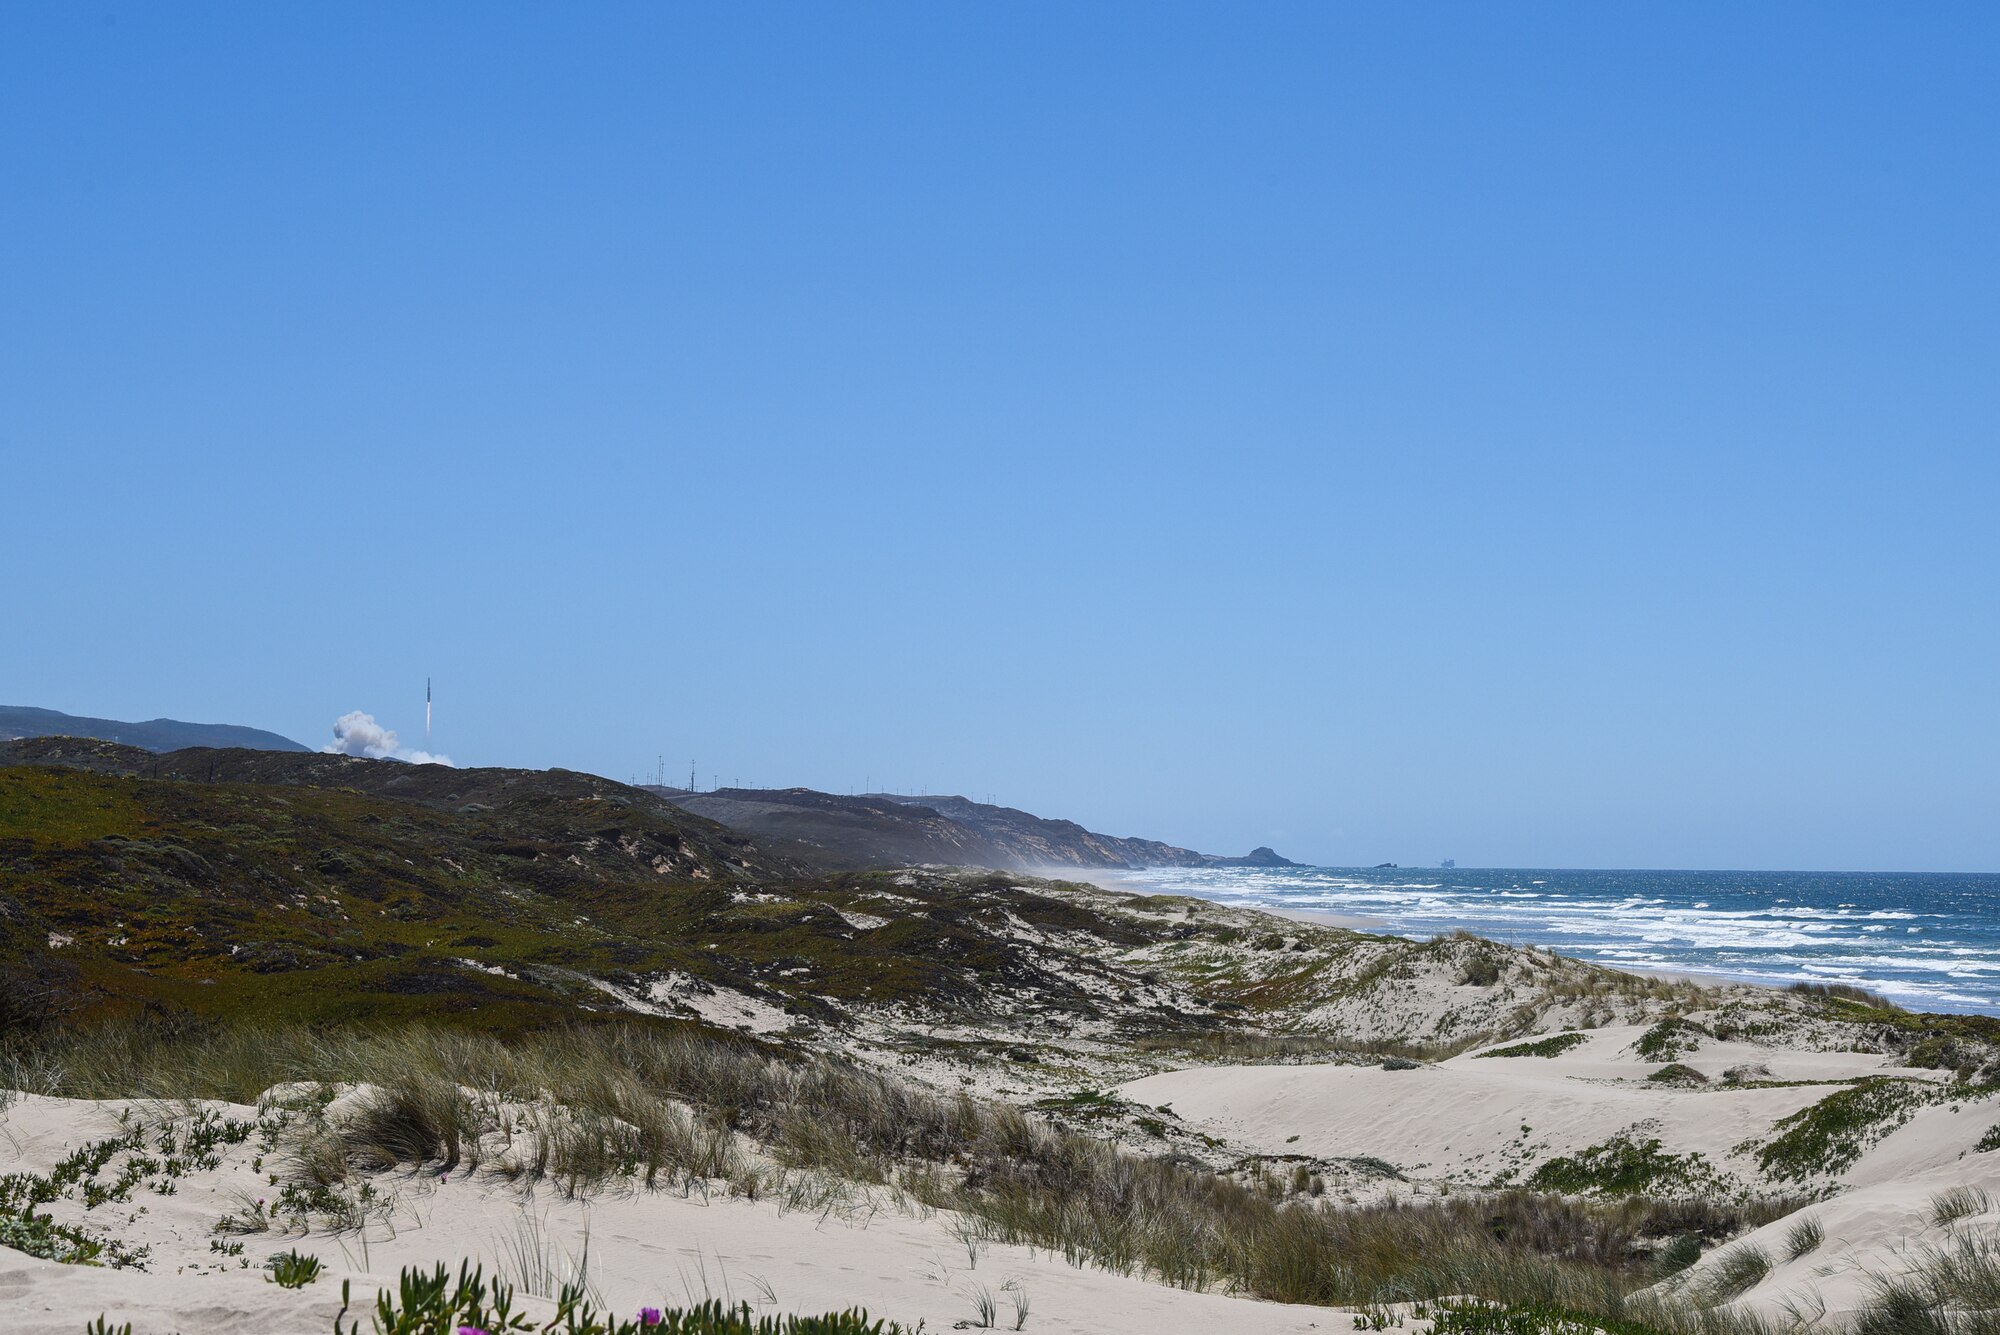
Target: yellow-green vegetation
{"x": 67, "y": 808}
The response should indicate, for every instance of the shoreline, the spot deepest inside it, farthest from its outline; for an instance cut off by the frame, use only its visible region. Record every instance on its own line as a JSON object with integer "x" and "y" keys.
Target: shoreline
{"x": 1908, "y": 988}
{"x": 1127, "y": 883}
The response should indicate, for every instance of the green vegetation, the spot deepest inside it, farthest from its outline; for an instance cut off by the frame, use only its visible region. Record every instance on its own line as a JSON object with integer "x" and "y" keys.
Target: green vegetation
{"x": 1680, "y": 1252}
{"x": 1677, "y": 1074}
{"x": 1553, "y": 1046}
{"x": 1827, "y": 1138}
{"x": 434, "y": 1303}
{"x": 1670, "y": 1040}
{"x": 330, "y": 905}
{"x": 1953, "y": 1290}
{"x": 1461, "y": 1318}
{"x": 1845, "y": 993}
{"x": 1989, "y": 1141}
{"x": 1959, "y": 1202}
{"x": 293, "y": 1270}
{"x": 1623, "y": 1166}
{"x": 1803, "y": 1238}
{"x": 1092, "y": 1108}
{"x": 1734, "y": 1273}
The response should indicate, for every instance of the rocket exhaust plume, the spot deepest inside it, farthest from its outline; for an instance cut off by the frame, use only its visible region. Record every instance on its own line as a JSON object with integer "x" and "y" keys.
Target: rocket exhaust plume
{"x": 358, "y": 734}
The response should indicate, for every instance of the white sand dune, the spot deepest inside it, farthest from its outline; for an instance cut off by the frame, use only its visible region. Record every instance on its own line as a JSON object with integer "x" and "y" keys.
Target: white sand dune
{"x": 1881, "y": 1230}
{"x": 658, "y": 1248}
{"x": 1463, "y": 1120}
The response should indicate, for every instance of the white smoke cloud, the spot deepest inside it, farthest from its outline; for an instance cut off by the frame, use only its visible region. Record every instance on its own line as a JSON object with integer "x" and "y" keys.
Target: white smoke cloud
{"x": 358, "y": 734}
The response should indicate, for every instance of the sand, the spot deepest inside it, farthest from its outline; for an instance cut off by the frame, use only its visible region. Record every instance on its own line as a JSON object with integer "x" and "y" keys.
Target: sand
{"x": 657, "y": 1248}
{"x": 1470, "y": 1119}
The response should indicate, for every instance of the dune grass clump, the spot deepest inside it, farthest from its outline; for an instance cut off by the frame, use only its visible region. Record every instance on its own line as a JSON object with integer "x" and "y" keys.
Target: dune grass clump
{"x": 1956, "y": 1203}
{"x": 1953, "y": 1290}
{"x": 1846, "y": 992}
{"x": 1804, "y": 1237}
{"x": 1734, "y": 1273}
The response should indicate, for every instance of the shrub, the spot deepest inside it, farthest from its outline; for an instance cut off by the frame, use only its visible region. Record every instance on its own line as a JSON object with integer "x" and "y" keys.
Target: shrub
{"x": 1623, "y": 1166}
{"x": 1828, "y": 1137}
{"x": 1677, "y": 1074}
{"x": 1670, "y": 1040}
{"x": 1481, "y": 970}
{"x": 1553, "y": 1046}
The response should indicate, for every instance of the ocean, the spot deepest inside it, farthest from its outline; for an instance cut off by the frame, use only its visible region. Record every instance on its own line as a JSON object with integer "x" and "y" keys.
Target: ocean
{"x": 1927, "y": 941}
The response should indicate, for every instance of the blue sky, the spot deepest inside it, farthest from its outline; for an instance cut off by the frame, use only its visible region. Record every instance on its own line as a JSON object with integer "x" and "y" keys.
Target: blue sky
{"x": 1536, "y": 435}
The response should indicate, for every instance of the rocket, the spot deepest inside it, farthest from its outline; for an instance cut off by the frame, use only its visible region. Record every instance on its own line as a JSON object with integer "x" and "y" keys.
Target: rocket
{"x": 427, "y": 709}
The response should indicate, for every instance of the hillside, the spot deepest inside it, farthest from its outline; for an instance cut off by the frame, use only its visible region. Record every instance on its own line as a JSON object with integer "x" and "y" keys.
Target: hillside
{"x": 160, "y": 734}
{"x": 889, "y": 829}
{"x": 932, "y": 1061}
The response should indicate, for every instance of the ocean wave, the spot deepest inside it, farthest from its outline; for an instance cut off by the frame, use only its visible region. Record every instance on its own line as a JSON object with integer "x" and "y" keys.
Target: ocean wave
{"x": 1780, "y": 927}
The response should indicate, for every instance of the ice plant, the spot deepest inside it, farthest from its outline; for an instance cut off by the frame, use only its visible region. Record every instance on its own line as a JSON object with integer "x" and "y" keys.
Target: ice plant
{"x": 649, "y": 1316}
{"x": 470, "y": 1330}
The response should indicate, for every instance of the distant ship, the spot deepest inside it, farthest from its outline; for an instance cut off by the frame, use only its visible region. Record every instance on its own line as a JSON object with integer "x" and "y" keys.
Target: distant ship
{"x": 1448, "y": 863}
{"x": 1385, "y": 866}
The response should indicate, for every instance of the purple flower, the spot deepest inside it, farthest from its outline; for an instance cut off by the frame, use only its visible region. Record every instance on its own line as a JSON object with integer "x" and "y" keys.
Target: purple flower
{"x": 649, "y": 1316}
{"x": 470, "y": 1330}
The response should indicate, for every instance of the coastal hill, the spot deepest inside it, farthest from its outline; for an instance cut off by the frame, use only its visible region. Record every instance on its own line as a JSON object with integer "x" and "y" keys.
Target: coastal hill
{"x": 892, "y": 829}
{"x": 420, "y": 990}
{"x": 160, "y": 734}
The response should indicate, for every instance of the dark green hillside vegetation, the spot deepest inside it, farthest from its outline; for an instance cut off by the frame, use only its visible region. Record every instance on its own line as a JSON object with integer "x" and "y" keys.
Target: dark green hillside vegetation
{"x": 323, "y": 888}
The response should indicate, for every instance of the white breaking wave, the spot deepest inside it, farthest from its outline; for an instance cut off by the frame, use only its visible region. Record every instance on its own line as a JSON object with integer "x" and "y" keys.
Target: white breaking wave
{"x": 358, "y": 734}
{"x": 1939, "y": 953}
